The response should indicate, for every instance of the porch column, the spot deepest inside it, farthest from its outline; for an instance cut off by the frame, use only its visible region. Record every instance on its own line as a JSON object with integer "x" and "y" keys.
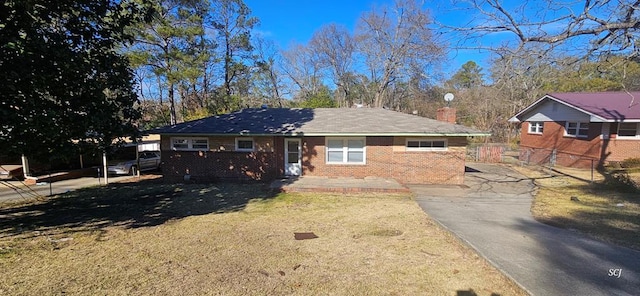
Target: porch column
{"x": 25, "y": 166}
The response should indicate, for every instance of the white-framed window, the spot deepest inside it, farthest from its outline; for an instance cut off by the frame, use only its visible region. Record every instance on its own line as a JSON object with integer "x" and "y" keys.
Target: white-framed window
{"x": 576, "y": 129}
{"x": 426, "y": 145}
{"x": 189, "y": 143}
{"x": 346, "y": 151}
{"x": 628, "y": 130}
{"x": 536, "y": 127}
{"x": 245, "y": 144}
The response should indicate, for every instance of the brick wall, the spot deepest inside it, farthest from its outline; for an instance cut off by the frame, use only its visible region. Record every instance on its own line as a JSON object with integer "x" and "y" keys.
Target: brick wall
{"x": 207, "y": 166}
{"x": 570, "y": 151}
{"x": 221, "y": 162}
{"x": 378, "y": 159}
{"x": 387, "y": 157}
{"x": 620, "y": 149}
{"x": 575, "y": 152}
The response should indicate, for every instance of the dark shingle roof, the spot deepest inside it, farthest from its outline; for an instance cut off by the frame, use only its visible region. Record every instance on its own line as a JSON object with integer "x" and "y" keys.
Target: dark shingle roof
{"x": 318, "y": 122}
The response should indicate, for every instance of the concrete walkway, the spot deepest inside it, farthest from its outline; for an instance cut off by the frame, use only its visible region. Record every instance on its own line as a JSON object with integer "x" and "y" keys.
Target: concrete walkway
{"x": 493, "y": 216}
{"x": 341, "y": 185}
{"x": 15, "y": 190}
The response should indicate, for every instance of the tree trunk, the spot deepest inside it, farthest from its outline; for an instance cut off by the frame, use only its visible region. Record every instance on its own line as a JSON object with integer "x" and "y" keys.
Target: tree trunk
{"x": 172, "y": 107}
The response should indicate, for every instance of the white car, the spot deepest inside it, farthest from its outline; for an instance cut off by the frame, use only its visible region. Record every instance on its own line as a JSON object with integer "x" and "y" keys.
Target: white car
{"x": 147, "y": 161}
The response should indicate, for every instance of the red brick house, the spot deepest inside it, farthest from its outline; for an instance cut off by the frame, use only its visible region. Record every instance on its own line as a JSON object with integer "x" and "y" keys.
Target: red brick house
{"x": 264, "y": 144}
{"x": 580, "y": 129}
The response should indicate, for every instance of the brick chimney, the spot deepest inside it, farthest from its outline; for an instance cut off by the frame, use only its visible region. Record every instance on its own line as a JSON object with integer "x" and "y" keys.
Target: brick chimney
{"x": 446, "y": 114}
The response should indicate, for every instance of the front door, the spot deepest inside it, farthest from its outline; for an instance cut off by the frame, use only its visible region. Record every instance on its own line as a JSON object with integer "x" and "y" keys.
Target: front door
{"x": 292, "y": 157}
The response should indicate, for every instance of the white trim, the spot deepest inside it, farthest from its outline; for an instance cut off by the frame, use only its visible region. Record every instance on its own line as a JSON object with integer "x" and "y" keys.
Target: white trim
{"x": 407, "y": 148}
{"x": 286, "y": 156}
{"x": 189, "y": 143}
{"x": 515, "y": 118}
{"x": 539, "y": 127}
{"x": 253, "y": 144}
{"x": 345, "y": 150}
{"x": 636, "y": 137}
{"x": 577, "y": 128}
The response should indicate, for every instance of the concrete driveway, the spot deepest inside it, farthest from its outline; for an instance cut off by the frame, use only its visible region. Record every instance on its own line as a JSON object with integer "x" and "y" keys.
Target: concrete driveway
{"x": 493, "y": 216}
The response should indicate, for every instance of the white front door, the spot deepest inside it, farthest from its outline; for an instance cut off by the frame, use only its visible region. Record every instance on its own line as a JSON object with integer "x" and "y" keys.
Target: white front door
{"x": 292, "y": 157}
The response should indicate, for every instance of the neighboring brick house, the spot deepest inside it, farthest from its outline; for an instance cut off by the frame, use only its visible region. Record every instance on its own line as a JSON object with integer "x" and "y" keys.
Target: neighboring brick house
{"x": 264, "y": 144}
{"x": 580, "y": 129}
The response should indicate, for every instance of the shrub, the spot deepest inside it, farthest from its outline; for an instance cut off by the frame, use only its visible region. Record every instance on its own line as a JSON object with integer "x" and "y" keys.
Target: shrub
{"x": 621, "y": 181}
{"x": 630, "y": 163}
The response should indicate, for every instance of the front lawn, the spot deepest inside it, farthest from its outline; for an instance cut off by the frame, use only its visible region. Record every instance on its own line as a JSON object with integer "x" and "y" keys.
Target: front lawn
{"x": 598, "y": 209}
{"x": 155, "y": 239}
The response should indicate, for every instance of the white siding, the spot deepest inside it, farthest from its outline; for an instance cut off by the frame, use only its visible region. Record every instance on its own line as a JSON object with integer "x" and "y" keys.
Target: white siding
{"x": 554, "y": 111}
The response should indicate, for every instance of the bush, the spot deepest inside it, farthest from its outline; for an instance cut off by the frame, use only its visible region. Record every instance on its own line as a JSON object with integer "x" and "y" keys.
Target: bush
{"x": 621, "y": 181}
{"x": 630, "y": 163}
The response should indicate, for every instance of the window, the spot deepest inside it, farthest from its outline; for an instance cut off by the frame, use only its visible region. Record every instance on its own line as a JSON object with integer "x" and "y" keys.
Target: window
{"x": 244, "y": 144}
{"x": 189, "y": 143}
{"x": 345, "y": 150}
{"x": 577, "y": 129}
{"x": 628, "y": 129}
{"x": 200, "y": 144}
{"x": 536, "y": 127}
{"x": 426, "y": 145}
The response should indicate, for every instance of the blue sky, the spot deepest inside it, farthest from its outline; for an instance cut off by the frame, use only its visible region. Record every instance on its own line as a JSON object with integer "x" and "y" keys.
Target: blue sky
{"x": 286, "y": 21}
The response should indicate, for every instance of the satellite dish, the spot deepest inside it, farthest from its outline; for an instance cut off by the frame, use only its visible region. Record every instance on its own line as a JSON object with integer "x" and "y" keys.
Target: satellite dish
{"x": 448, "y": 97}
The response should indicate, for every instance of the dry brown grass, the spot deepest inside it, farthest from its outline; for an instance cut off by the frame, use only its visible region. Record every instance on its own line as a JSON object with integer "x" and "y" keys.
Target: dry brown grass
{"x": 601, "y": 211}
{"x": 208, "y": 240}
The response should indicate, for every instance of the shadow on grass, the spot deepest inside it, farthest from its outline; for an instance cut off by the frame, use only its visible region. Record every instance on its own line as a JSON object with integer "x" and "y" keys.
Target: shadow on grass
{"x": 617, "y": 227}
{"x": 471, "y": 292}
{"x": 129, "y": 205}
{"x": 602, "y": 219}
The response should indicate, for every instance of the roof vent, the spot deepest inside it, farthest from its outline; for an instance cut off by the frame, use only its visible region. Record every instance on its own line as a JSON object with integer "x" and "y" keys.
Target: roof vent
{"x": 358, "y": 105}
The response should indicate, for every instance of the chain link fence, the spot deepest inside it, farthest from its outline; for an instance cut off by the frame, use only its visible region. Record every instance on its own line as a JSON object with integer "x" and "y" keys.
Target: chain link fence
{"x": 492, "y": 153}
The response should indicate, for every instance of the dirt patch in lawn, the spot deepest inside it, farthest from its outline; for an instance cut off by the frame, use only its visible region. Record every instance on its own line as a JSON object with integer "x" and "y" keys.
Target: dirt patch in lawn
{"x": 596, "y": 209}
{"x": 234, "y": 240}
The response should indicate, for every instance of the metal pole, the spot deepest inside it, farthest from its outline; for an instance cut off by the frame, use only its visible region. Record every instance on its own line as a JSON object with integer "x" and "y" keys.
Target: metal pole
{"x": 50, "y": 189}
{"x": 137, "y": 161}
{"x": 104, "y": 166}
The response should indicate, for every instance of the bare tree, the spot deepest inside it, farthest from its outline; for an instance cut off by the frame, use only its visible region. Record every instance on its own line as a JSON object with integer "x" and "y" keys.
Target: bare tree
{"x": 302, "y": 67}
{"x": 580, "y": 28}
{"x": 267, "y": 82}
{"x": 395, "y": 41}
{"x": 334, "y": 46}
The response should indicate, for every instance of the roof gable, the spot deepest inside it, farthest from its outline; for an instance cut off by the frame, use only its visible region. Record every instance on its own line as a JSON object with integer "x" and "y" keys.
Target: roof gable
{"x": 318, "y": 122}
{"x": 599, "y": 106}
